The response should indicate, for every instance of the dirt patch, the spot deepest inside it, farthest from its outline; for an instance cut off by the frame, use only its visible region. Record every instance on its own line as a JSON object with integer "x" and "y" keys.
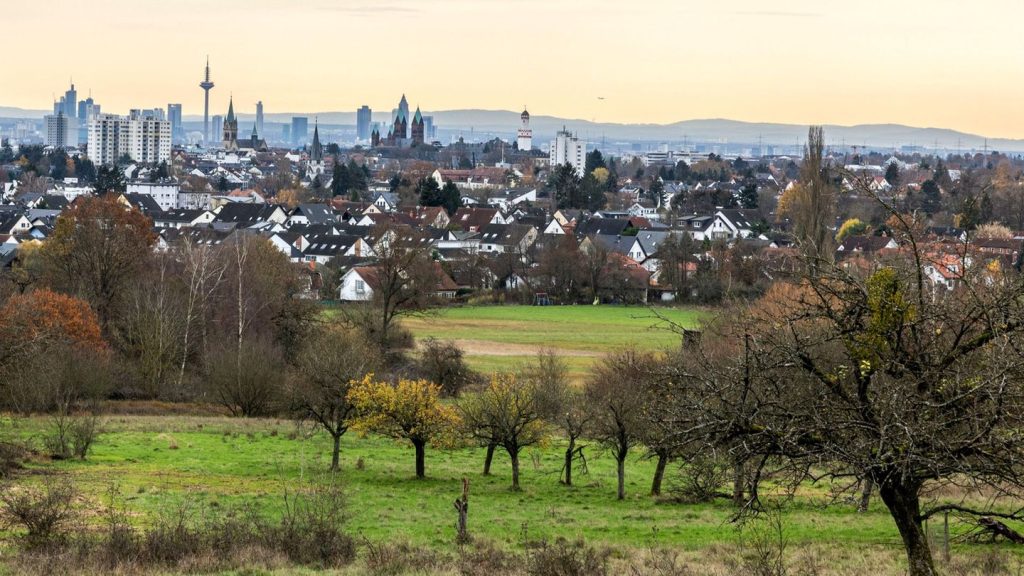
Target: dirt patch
{"x": 489, "y": 348}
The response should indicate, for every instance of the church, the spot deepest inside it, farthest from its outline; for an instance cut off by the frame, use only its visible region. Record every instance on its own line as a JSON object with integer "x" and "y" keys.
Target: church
{"x": 402, "y": 134}
{"x": 231, "y": 143}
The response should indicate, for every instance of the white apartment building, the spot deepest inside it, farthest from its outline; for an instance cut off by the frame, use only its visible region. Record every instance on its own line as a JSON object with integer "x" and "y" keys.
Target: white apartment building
{"x": 164, "y": 194}
{"x": 144, "y": 138}
{"x": 566, "y": 148}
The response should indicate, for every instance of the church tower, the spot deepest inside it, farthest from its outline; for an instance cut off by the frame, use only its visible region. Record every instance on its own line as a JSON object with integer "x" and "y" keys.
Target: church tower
{"x": 316, "y": 155}
{"x": 417, "y": 128}
{"x": 525, "y": 137}
{"x": 231, "y": 128}
{"x": 403, "y": 113}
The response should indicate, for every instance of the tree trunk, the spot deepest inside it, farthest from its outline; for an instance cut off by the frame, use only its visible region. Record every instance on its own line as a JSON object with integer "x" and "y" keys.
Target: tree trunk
{"x": 336, "y": 452}
{"x": 865, "y": 494}
{"x": 488, "y": 459}
{"x": 621, "y": 466}
{"x": 514, "y": 455}
{"x": 568, "y": 461}
{"x": 420, "y": 452}
{"x": 659, "y": 473}
{"x": 905, "y": 508}
{"x": 738, "y": 479}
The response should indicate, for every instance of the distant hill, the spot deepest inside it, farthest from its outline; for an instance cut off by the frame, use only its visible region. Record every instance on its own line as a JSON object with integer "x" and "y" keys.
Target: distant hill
{"x": 734, "y": 132}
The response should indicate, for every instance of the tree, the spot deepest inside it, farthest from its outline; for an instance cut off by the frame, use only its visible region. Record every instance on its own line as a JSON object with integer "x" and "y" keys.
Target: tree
{"x": 98, "y": 250}
{"x": 877, "y": 376}
{"x": 341, "y": 181}
{"x": 615, "y": 396}
{"x": 442, "y": 362}
{"x": 892, "y": 174}
{"x": 748, "y": 195}
{"x": 451, "y": 198}
{"x": 331, "y": 362}
{"x": 565, "y": 186}
{"x": 505, "y": 413}
{"x": 593, "y": 161}
{"x": 404, "y": 280}
{"x": 429, "y": 192}
{"x": 31, "y": 322}
{"x": 813, "y": 202}
{"x": 409, "y": 410}
{"x": 851, "y": 227}
{"x": 246, "y": 378}
{"x": 560, "y": 404}
{"x": 110, "y": 180}
{"x": 675, "y": 255}
{"x": 931, "y": 194}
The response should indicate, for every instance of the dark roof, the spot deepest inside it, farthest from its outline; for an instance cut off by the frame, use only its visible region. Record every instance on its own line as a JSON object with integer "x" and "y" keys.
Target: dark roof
{"x": 473, "y": 218}
{"x": 178, "y": 215}
{"x": 602, "y": 226}
{"x": 504, "y": 234}
{"x": 315, "y": 213}
{"x": 144, "y": 202}
{"x": 244, "y": 214}
{"x": 330, "y": 245}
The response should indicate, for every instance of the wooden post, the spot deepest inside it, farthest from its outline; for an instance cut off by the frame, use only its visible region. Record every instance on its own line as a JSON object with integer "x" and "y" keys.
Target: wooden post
{"x": 945, "y": 537}
{"x": 462, "y": 507}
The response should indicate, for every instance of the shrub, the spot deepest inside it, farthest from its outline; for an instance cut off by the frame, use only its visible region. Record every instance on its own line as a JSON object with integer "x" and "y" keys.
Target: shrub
{"x": 564, "y": 558}
{"x": 442, "y": 362}
{"x": 394, "y": 558}
{"x": 701, "y": 480}
{"x": 45, "y": 512}
{"x": 483, "y": 558}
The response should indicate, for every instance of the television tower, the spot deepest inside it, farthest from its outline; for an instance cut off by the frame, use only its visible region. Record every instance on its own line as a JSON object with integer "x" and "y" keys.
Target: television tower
{"x": 206, "y": 85}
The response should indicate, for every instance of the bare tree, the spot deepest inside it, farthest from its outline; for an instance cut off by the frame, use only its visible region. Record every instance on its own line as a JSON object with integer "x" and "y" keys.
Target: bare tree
{"x": 332, "y": 360}
{"x": 616, "y": 396}
{"x": 561, "y": 404}
{"x": 203, "y": 272}
{"x": 869, "y": 372}
{"x": 505, "y": 414}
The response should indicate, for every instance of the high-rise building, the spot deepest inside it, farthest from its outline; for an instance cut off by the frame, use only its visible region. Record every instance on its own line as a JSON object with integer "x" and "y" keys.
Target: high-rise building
{"x": 363, "y": 117}
{"x": 87, "y": 110}
{"x": 71, "y": 102}
{"x": 429, "y": 130}
{"x": 174, "y": 117}
{"x": 524, "y": 139}
{"x": 286, "y": 133}
{"x": 300, "y": 130}
{"x": 216, "y": 126}
{"x": 144, "y": 138}
{"x": 206, "y": 85}
{"x": 566, "y": 148}
{"x": 61, "y": 131}
{"x": 259, "y": 120}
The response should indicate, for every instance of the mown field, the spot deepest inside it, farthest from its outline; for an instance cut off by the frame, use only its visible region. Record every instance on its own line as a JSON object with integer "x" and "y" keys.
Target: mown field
{"x": 499, "y": 338}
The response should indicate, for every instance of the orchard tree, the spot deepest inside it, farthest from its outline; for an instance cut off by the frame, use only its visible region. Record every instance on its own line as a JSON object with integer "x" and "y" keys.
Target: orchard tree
{"x": 408, "y": 410}
{"x": 332, "y": 360}
{"x": 561, "y": 404}
{"x": 506, "y": 414}
{"x": 615, "y": 394}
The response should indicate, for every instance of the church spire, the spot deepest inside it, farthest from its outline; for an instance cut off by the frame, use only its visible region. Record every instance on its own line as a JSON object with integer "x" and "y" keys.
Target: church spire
{"x": 231, "y": 109}
{"x": 316, "y": 151}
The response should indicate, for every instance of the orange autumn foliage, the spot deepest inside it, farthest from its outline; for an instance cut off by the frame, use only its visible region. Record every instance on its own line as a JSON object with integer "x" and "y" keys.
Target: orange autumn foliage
{"x": 47, "y": 316}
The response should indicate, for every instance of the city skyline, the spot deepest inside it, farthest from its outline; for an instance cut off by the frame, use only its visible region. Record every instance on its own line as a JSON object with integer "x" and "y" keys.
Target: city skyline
{"x": 815, "y": 62}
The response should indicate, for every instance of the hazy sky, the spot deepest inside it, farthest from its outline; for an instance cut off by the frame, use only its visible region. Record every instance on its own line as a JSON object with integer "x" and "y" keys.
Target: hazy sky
{"x": 945, "y": 63}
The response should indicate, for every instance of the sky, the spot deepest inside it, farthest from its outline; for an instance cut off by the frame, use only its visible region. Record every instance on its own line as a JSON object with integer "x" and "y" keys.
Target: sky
{"x": 927, "y": 63}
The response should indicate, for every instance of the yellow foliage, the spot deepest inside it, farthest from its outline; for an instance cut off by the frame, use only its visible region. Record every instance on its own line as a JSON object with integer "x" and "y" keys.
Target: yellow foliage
{"x": 851, "y": 227}
{"x": 410, "y": 409}
{"x": 601, "y": 174}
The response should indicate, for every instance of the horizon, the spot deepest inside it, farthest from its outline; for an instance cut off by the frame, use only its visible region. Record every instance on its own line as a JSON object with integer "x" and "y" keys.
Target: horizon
{"x": 336, "y": 57}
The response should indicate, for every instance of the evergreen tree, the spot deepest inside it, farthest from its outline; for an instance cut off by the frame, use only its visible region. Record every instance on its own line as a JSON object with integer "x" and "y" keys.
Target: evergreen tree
{"x": 748, "y": 195}
{"x": 429, "y": 192}
{"x": 451, "y": 197}
{"x": 892, "y": 175}
{"x": 341, "y": 181}
{"x": 111, "y": 179}
{"x": 931, "y": 197}
{"x": 594, "y": 161}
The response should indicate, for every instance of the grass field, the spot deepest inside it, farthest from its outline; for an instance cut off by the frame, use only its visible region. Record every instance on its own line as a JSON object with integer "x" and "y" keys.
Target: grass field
{"x": 498, "y": 338}
{"x": 158, "y": 461}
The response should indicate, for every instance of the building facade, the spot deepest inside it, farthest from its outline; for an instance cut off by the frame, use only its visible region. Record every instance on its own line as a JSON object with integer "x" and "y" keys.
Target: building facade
{"x": 174, "y": 117}
{"x": 363, "y": 118}
{"x": 61, "y": 131}
{"x": 566, "y": 148}
{"x": 143, "y": 138}
{"x": 300, "y": 130}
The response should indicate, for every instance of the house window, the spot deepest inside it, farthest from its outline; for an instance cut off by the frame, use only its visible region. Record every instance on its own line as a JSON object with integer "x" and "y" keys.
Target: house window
{"x": 360, "y": 287}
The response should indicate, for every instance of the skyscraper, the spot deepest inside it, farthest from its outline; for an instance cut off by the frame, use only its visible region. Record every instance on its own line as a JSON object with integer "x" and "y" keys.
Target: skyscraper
{"x": 71, "y": 102}
{"x": 206, "y": 85}
{"x": 300, "y": 130}
{"x": 259, "y": 120}
{"x": 363, "y": 116}
{"x": 217, "y": 127}
{"x": 174, "y": 117}
{"x": 87, "y": 110}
